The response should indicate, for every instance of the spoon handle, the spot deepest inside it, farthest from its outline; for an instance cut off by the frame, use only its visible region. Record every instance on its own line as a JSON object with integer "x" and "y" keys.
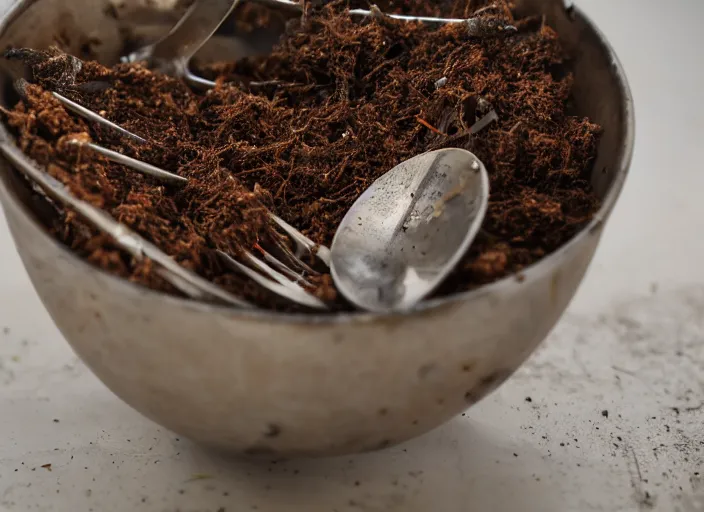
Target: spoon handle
{"x": 295, "y": 7}
{"x": 198, "y": 25}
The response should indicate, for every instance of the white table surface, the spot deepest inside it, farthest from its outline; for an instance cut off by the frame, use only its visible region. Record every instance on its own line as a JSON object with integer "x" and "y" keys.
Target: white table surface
{"x": 631, "y": 344}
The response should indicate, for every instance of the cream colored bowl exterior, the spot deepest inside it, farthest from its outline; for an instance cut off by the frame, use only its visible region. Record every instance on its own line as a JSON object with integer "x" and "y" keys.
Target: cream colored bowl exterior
{"x": 259, "y": 383}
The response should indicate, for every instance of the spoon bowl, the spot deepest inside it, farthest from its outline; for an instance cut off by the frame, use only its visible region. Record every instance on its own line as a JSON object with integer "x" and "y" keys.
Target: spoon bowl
{"x": 409, "y": 229}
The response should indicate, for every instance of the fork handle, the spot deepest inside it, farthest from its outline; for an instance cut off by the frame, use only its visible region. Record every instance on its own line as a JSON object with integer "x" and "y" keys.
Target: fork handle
{"x": 198, "y": 25}
{"x": 292, "y": 6}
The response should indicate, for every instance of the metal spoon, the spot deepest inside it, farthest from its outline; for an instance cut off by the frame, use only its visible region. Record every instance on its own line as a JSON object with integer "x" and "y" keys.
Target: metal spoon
{"x": 173, "y": 52}
{"x": 409, "y": 229}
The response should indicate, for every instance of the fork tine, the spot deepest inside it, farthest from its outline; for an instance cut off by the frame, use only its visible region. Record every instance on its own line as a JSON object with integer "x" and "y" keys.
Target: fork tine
{"x": 284, "y": 288}
{"x": 295, "y": 260}
{"x": 269, "y": 258}
{"x": 96, "y": 118}
{"x": 188, "y": 282}
{"x": 373, "y": 13}
{"x": 286, "y": 5}
{"x": 303, "y": 243}
{"x": 132, "y": 163}
{"x": 20, "y": 86}
{"x": 274, "y": 274}
{"x": 196, "y": 81}
{"x": 295, "y": 7}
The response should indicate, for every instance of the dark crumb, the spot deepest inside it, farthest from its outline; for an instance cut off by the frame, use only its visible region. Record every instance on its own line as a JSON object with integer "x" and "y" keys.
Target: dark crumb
{"x": 382, "y": 445}
{"x": 273, "y": 430}
{"x": 605, "y": 413}
{"x": 515, "y": 455}
{"x": 355, "y": 99}
{"x": 529, "y": 399}
{"x": 56, "y": 420}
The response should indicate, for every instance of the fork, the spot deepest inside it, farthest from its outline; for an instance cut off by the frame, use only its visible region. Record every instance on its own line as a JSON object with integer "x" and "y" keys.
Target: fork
{"x": 172, "y": 55}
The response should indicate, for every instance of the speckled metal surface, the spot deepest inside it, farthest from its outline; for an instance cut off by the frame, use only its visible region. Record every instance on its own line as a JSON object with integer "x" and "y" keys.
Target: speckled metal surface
{"x": 631, "y": 344}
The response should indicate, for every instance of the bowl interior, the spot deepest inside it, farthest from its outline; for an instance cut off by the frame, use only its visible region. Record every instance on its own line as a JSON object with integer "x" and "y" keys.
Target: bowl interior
{"x": 105, "y": 29}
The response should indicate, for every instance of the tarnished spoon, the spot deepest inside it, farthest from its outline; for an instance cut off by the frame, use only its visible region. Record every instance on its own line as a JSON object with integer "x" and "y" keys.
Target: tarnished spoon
{"x": 409, "y": 229}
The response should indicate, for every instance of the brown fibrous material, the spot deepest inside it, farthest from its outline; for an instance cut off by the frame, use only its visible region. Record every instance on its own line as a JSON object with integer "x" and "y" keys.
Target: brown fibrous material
{"x": 337, "y": 103}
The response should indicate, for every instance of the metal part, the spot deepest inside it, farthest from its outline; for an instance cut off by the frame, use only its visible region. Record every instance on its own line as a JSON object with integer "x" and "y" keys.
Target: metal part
{"x": 282, "y": 285}
{"x": 172, "y": 53}
{"x": 257, "y": 382}
{"x": 92, "y": 116}
{"x": 132, "y": 163}
{"x": 295, "y": 7}
{"x": 303, "y": 243}
{"x": 409, "y": 229}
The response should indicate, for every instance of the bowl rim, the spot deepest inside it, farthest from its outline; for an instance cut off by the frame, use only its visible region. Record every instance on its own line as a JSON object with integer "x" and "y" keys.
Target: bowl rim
{"x": 529, "y": 273}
